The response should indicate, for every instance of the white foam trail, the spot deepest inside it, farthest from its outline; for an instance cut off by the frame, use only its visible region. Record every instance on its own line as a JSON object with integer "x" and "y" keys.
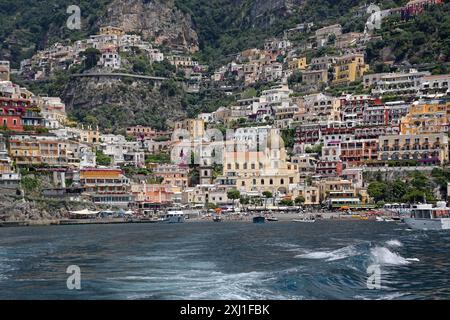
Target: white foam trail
{"x": 384, "y": 256}
{"x": 413, "y": 259}
{"x": 338, "y": 254}
{"x": 394, "y": 243}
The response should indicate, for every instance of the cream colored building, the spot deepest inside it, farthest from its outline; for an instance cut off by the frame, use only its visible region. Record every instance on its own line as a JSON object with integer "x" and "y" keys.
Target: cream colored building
{"x": 264, "y": 170}
{"x": 311, "y": 194}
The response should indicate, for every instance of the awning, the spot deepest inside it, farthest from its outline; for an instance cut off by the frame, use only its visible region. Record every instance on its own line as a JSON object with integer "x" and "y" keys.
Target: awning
{"x": 84, "y": 212}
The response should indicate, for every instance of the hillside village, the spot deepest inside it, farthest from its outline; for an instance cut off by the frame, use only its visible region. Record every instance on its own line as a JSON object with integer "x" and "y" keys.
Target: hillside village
{"x": 310, "y": 122}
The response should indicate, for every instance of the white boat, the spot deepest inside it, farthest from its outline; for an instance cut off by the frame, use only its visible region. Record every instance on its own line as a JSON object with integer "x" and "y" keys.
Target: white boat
{"x": 381, "y": 219}
{"x": 304, "y": 220}
{"x": 427, "y": 217}
{"x": 174, "y": 217}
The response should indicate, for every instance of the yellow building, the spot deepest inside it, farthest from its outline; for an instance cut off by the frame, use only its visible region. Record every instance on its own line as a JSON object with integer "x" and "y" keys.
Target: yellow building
{"x": 25, "y": 152}
{"x": 109, "y": 30}
{"x": 266, "y": 170}
{"x": 106, "y": 186}
{"x": 349, "y": 68}
{"x": 311, "y": 194}
{"x": 89, "y": 135}
{"x": 335, "y": 185}
{"x": 298, "y": 64}
{"x": 426, "y": 119}
{"x": 195, "y": 127}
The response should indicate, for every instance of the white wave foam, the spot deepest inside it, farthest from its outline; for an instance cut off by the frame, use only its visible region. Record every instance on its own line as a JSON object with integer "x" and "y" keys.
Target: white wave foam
{"x": 384, "y": 256}
{"x": 394, "y": 243}
{"x": 334, "y": 255}
{"x": 199, "y": 284}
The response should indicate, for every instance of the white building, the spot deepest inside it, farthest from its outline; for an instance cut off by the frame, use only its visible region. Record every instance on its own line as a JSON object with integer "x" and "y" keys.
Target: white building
{"x": 110, "y": 59}
{"x": 395, "y": 83}
{"x": 253, "y": 137}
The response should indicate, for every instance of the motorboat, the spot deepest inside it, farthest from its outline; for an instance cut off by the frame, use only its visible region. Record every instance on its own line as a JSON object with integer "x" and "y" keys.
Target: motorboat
{"x": 174, "y": 217}
{"x": 427, "y": 217}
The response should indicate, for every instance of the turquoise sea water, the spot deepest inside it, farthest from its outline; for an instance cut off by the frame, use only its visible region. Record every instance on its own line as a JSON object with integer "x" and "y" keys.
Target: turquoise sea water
{"x": 281, "y": 260}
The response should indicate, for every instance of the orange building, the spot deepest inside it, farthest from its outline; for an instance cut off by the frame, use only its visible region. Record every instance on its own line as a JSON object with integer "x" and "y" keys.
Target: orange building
{"x": 150, "y": 197}
{"x": 106, "y": 186}
{"x": 426, "y": 118}
{"x": 25, "y": 152}
{"x": 152, "y": 193}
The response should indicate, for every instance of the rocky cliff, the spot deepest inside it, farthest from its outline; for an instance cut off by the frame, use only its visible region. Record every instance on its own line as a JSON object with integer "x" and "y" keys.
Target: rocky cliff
{"x": 154, "y": 19}
{"x": 117, "y": 103}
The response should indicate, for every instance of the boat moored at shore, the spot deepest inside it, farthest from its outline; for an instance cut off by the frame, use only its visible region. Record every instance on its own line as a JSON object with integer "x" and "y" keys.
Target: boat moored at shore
{"x": 427, "y": 217}
{"x": 174, "y": 217}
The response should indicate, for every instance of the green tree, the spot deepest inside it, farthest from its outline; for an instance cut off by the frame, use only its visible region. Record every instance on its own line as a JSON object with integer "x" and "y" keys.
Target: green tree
{"x": 245, "y": 201}
{"x": 286, "y": 202}
{"x": 414, "y": 196}
{"x": 29, "y": 184}
{"x": 158, "y": 158}
{"x": 267, "y": 195}
{"x": 233, "y": 195}
{"x": 299, "y": 200}
{"x": 378, "y": 190}
{"x": 211, "y": 206}
{"x": 398, "y": 190}
{"x": 91, "y": 58}
{"x": 102, "y": 159}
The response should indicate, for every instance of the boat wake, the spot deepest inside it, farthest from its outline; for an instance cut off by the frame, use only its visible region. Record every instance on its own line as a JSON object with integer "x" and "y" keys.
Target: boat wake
{"x": 334, "y": 255}
{"x": 394, "y": 243}
{"x": 384, "y": 256}
{"x": 371, "y": 253}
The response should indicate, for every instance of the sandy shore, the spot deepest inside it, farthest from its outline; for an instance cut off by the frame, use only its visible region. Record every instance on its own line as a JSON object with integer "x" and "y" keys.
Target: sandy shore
{"x": 282, "y": 217}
